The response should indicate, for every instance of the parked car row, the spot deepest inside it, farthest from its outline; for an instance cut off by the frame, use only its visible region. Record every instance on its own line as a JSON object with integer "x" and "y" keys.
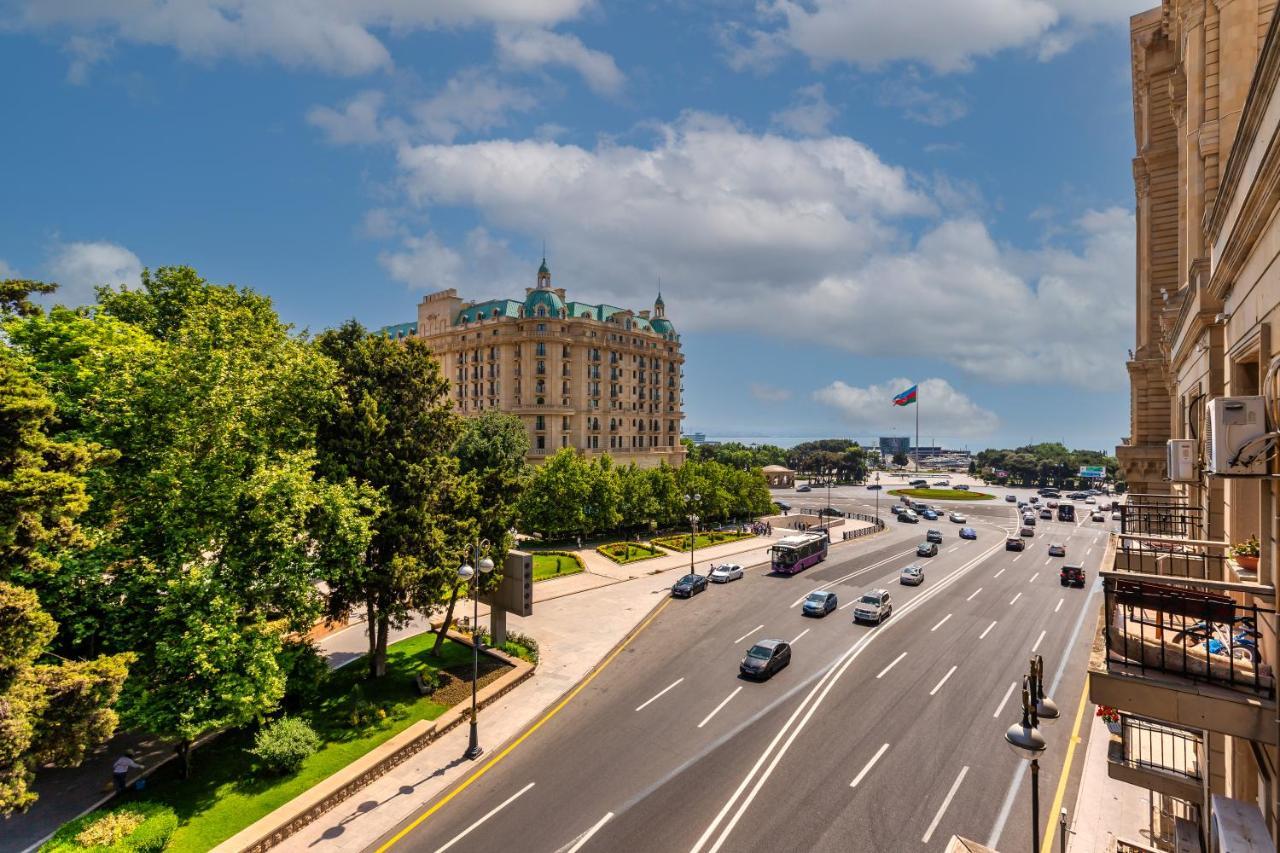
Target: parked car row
{"x": 691, "y": 584}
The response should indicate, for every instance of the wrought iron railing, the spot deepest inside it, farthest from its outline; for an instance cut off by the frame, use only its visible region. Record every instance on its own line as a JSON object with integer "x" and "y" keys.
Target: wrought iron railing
{"x": 1193, "y": 632}
{"x": 1160, "y": 515}
{"x": 1151, "y": 745}
{"x": 1171, "y": 556}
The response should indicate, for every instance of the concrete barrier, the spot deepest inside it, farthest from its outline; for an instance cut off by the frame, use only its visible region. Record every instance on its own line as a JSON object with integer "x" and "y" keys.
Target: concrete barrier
{"x": 308, "y": 806}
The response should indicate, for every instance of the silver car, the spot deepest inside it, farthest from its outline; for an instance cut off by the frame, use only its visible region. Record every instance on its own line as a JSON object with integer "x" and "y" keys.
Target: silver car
{"x": 912, "y": 575}
{"x": 873, "y": 606}
{"x": 725, "y": 573}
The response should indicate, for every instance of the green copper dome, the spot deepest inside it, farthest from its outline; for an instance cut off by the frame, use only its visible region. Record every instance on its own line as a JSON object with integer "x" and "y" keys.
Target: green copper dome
{"x": 543, "y": 269}
{"x": 548, "y": 300}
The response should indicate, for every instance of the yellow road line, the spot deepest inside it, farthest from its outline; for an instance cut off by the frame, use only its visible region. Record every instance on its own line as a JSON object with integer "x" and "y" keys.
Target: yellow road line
{"x": 1051, "y": 823}
{"x": 501, "y": 755}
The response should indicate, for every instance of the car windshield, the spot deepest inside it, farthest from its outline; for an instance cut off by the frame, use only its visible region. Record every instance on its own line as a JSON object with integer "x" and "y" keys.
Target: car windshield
{"x": 871, "y": 599}
{"x": 689, "y": 579}
{"x": 817, "y": 597}
{"x": 758, "y": 652}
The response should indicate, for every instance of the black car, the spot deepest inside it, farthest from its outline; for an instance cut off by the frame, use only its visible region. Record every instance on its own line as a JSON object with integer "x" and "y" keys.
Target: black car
{"x": 782, "y": 506}
{"x": 1013, "y": 543}
{"x": 1072, "y": 574}
{"x": 875, "y": 486}
{"x": 764, "y": 659}
{"x": 933, "y": 536}
{"x": 689, "y": 586}
{"x": 829, "y": 510}
{"x": 926, "y": 549}
{"x": 819, "y": 603}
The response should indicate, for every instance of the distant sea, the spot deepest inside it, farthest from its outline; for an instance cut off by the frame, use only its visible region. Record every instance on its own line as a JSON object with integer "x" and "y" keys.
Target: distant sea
{"x": 783, "y": 440}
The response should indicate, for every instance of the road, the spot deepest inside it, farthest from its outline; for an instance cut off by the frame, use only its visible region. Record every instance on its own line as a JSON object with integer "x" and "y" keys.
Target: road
{"x": 882, "y": 737}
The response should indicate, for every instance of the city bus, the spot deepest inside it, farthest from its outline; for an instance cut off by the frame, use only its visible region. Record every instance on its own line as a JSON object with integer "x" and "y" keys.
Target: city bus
{"x": 794, "y": 553}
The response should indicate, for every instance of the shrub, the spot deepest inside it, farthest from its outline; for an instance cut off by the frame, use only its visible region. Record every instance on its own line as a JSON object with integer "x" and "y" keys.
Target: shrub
{"x": 284, "y": 744}
{"x": 430, "y": 680}
{"x": 305, "y": 671}
{"x": 141, "y": 827}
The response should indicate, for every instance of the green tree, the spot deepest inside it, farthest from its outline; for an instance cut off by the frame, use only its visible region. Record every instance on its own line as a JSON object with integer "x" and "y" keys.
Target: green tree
{"x": 391, "y": 428}
{"x": 15, "y": 296}
{"x": 900, "y": 459}
{"x": 555, "y": 503}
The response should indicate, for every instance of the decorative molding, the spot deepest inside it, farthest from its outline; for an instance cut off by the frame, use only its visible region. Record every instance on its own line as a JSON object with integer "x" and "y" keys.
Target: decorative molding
{"x": 1192, "y": 14}
{"x": 1141, "y": 178}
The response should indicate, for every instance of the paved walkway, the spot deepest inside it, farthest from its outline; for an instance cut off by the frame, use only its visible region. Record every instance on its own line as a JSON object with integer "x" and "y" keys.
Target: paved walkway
{"x": 1106, "y": 809}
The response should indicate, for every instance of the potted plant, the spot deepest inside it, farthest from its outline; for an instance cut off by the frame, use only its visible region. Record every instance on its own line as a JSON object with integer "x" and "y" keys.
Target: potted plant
{"x": 1246, "y": 554}
{"x": 1111, "y": 717}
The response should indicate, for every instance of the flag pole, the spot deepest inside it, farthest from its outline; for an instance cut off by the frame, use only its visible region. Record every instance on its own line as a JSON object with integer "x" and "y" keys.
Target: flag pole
{"x": 917, "y": 430}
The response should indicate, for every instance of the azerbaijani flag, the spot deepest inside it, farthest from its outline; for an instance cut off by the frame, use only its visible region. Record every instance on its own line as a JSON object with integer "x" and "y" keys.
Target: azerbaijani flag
{"x": 907, "y": 397}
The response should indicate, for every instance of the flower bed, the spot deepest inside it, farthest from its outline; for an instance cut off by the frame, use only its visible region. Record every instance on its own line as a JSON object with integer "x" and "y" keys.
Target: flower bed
{"x": 943, "y": 494}
{"x": 705, "y": 539}
{"x": 628, "y": 552}
{"x": 555, "y": 564}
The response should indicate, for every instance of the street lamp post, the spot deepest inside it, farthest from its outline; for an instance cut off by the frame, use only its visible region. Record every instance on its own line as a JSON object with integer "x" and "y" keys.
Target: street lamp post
{"x": 691, "y": 501}
{"x": 826, "y": 519}
{"x": 1025, "y": 739}
{"x": 483, "y": 566}
{"x": 877, "y": 499}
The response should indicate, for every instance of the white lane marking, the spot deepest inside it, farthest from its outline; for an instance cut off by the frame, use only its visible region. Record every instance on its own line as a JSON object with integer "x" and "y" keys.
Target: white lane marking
{"x": 940, "y": 621}
{"x": 768, "y": 761}
{"x": 952, "y": 548}
{"x": 1059, "y": 605}
{"x": 867, "y": 769}
{"x": 1048, "y": 560}
{"x": 801, "y": 634}
{"x": 1089, "y": 551}
{"x": 1015, "y": 598}
{"x": 1032, "y": 579}
{"x": 502, "y": 805}
{"x": 938, "y": 686}
{"x": 657, "y": 695}
{"x": 717, "y": 708}
{"x": 1038, "y": 641}
{"x": 1017, "y": 558}
{"x": 748, "y": 634}
{"x": 1012, "y": 686}
{"x": 590, "y": 832}
{"x": 974, "y": 594}
{"x": 997, "y": 574}
{"x": 955, "y": 786}
{"x": 891, "y": 665}
{"x": 983, "y": 635}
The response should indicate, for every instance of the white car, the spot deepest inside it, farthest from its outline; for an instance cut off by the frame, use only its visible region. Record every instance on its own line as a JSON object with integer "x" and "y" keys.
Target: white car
{"x": 725, "y": 573}
{"x": 957, "y": 517}
{"x": 873, "y": 606}
{"x": 1091, "y": 500}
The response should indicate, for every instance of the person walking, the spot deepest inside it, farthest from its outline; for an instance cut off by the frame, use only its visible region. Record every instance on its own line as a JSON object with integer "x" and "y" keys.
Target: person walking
{"x": 120, "y": 771}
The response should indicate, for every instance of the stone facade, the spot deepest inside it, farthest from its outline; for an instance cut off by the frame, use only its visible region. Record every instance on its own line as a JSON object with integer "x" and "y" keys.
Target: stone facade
{"x": 1207, "y": 184}
{"x": 596, "y": 378}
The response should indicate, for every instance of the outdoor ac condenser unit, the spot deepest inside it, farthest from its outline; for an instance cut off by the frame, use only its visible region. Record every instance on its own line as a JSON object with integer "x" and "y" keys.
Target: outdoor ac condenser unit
{"x": 1181, "y": 463}
{"x": 1230, "y": 423}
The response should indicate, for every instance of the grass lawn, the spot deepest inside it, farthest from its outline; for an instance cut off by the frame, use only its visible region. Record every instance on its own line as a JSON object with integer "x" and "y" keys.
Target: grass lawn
{"x": 704, "y": 539}
{"x": 554, "y": 566}
{"x": 628, "y": 552}
{"x": 943, "y": 494}
{"x": 226, "y": 794}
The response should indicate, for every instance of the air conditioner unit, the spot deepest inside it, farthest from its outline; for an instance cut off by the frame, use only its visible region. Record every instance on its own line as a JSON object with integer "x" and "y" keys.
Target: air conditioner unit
{"x": 1230, "y": 423}
{"x": 1181, "y": 460}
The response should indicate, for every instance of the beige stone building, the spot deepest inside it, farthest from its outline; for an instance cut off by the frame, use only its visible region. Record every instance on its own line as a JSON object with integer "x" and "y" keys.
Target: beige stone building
{"x": 596, "y": 378}
{"x": 1195, "y": 689}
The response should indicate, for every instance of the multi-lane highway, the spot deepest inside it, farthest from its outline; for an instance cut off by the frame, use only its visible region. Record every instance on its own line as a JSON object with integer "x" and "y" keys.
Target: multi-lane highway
{"x": 882, "y": 737}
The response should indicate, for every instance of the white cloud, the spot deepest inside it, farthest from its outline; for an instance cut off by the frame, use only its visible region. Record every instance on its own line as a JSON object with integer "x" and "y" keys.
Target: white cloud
{"x": 944, "y": 410}
{"x": 7, "y": 271}
{"x": 808, "y": 239}
{"x": 426, "y": 263}
{"x": 336, "y": 36}
{"x": 535, "y": 48}
{"x": 809, "y": 113}
{"x": 922, "y": 105}
{"x": 943, "y": 34}
{"x": 471, "y": 101}
{"x": 80, "y": 267}
{"x": 769, "y": 393}
{"x": 85, "y": 52}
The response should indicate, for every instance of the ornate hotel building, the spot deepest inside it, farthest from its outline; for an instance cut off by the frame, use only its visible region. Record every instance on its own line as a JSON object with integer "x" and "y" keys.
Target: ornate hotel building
{"x": 597, "y": 378}
{"x": 1199, "y": 723}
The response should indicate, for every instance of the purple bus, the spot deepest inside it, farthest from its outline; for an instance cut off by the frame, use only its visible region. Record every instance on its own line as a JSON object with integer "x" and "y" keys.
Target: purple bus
{"x": 794, "y": 553}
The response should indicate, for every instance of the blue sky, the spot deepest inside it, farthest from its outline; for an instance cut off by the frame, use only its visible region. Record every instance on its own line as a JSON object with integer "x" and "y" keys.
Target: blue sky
{"x": 839, "y": 196}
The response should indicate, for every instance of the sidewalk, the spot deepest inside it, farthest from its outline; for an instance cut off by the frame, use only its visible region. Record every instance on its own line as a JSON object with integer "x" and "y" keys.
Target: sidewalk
{"x": 1106, "y": 809}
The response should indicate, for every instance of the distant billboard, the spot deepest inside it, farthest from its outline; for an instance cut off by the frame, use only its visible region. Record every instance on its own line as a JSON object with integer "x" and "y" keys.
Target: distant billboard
{"x": 1093, "y": 472}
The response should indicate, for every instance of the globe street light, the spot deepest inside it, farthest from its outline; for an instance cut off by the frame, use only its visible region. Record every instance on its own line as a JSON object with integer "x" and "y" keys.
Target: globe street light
{"x": 690, "y": 501}
{"x": 877, "y": 499}
{"x": 826, "y": 519}
{"x": 1027, "y": 743}
{"x": 485, "y": 566}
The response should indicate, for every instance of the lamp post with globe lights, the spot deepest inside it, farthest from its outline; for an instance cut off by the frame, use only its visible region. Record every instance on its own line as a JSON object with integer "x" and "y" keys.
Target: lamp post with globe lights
{"x": 1025, "y": 739}
{"x": 483, "y": 566}
{"x": 692, "y": 501}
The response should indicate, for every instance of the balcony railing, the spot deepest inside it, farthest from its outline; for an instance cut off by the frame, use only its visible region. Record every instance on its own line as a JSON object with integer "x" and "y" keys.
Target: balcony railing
{"x": 1151, "y": 745}
{"x": 1160, "y": 515}
{"x": 1171, "y": 556}
{"x": 1186, "y": 629}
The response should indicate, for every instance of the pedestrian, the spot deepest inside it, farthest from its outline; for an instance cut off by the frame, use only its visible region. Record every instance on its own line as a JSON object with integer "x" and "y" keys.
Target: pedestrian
{"x": 120, "y": 771}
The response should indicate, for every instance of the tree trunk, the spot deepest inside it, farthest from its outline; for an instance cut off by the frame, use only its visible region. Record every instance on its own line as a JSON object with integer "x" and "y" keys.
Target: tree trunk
{"x": 380, "y": 648}
{"x": 371, "y": 621}
{"x": 448, "y": 620}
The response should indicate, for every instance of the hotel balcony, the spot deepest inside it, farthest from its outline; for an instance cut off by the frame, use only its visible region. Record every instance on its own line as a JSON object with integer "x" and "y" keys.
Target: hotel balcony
{"x": 1158, "y": 756}
{"x": 1177, "y": 649}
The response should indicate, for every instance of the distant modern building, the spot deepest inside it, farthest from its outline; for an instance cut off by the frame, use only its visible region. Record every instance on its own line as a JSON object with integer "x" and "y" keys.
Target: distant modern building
{"x": 597, "y": 378}
{"x": 893, "y": 444}
{"x": 697, "y": 437}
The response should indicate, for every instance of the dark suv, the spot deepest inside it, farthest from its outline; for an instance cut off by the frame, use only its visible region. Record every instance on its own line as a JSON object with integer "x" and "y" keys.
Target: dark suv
{"x": 933, "y": 536}
{"x": 1014, "y": 543}
{"x": 1072, "y": 574}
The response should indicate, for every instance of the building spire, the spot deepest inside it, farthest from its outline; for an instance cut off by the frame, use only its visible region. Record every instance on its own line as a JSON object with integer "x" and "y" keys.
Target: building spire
{"x": 544, "y": 272}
